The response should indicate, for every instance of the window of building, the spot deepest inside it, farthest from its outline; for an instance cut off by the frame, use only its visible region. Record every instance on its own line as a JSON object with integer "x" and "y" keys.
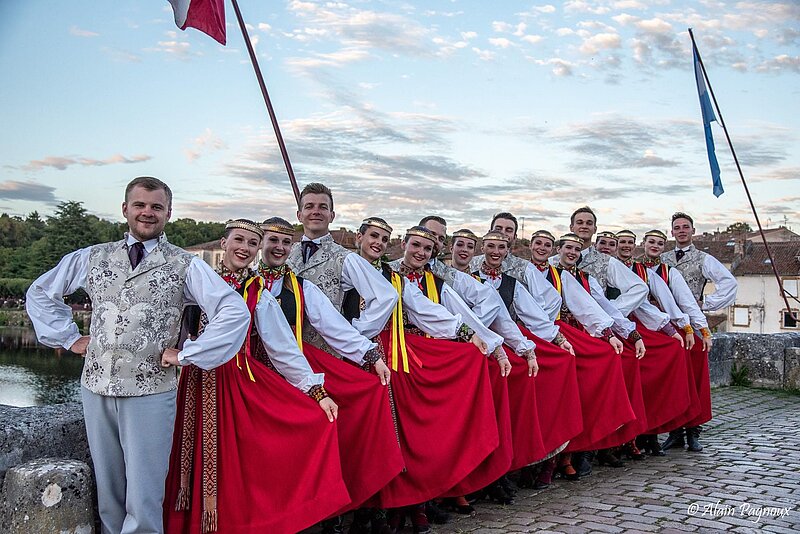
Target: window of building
{"x": 789, "y": 320}
{"x": 741, "y": 316}
{"x": 792, "y": 286}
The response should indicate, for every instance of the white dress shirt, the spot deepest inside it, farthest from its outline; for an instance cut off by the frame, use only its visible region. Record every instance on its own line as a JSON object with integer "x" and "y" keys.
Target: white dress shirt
{"x": 331, "y": 325}
{"x": 281, "y": 345}
{"x": 220, "y": 341}
{"x": 684, "y": 298}
{"x": 583, "y": 307}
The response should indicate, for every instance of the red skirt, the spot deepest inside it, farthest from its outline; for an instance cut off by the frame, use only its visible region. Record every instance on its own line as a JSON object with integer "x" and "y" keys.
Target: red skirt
{"x": 692, "y": 411}
{"x": 633, "y": 384}
{"x": 445, "y": 417}
{"x": 702, "y": 383}
{"x": 526, "y": 428}
{"x": 278, "y": 467}
{"x": 665, "y": 384}
{"x": 558, "y": 399}
{"x": 370, "y": 453}
{"x": 604, "y": 398}
{"x": 498, "y": 462}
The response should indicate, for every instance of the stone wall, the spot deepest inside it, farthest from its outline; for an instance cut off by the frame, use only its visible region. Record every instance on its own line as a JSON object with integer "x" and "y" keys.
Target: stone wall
{"x": 55, "y": 431}
{"x": 772, "y": 360}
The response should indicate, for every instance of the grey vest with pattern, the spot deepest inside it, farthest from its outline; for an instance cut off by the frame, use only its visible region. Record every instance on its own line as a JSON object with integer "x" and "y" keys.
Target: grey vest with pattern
{"x": 136, "y": 315}
{"x": 324, "y": 269}
{"x": 691, "y": 267}
{"x": 513, "y": 266}
{"x": 595, "y": 263}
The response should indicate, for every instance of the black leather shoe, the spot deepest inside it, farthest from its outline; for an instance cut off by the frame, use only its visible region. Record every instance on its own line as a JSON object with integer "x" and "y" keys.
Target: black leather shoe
{"x": 508, "y": 485}
{"x": 436, "y": 514}
{"x": 653, "y": 447}
{"x": 674, "y": 441}
{"x": 582, "y": 464}
{"x": 607, "y": 457}
{"x": 527, "y": 477}
{"x": 693, "y": 437}
{"x": 361, "y": 520}
{"x": 335, "y": 525}
{"x": 499, "y": 495}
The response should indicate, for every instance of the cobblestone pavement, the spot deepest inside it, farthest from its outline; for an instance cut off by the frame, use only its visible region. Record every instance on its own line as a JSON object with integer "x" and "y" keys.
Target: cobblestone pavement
{"x": 751, "y": 461}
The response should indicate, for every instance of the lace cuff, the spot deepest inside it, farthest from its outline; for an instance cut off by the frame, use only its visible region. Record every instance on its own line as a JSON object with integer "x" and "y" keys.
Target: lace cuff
{"x": 317, "y": 392}
{"x": 500, "y": 354}
{"x": 529, "y": 354}
{"x": 669, "y": 330}
{"x": 688, "y": 329}
{"x": 706, "y": 332}
{"x": 607, "y": 334}
{"x": 371, "y": 358}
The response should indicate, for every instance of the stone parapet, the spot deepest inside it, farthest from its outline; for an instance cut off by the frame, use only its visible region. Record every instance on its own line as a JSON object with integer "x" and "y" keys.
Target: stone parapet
{"x": 772, "y": 360}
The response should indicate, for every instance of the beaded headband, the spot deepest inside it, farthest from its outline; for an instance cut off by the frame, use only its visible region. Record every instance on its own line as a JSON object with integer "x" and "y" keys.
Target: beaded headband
{"x": 656, "y": 233}
{"x": 571, "y": 237}
{"x": 422, "y": 232}
{"x": 377, "y": 224}
{"x": 496, "y": 236}
{"x": 277, "y": 228}
{"x": 607, "y": 235}
{"x": 626, "y": 233}
{"x": 543, "y": 233}
{"x": 244, "y": 224}
{"x": 466, "y": 234}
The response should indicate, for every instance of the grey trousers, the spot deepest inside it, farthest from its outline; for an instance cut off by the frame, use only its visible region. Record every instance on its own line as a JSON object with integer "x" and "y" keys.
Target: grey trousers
{"x": 130, "y": 440}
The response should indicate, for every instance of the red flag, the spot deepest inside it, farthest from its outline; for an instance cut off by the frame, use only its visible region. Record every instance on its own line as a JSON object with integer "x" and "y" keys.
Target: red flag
{"x": 208, "y": 16}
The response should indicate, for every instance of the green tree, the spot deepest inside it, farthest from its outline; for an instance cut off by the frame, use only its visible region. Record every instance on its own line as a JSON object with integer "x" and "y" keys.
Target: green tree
{"x": 739, "y": 228}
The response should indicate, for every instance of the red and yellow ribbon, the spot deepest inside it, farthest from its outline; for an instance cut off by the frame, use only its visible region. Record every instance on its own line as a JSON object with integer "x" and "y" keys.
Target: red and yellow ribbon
{"x": 251, "y": 298}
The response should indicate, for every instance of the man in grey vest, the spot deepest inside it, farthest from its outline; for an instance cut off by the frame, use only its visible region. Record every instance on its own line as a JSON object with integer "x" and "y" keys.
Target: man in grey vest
{"x": 139, "y": 287}
{"x": 697, "y": 268}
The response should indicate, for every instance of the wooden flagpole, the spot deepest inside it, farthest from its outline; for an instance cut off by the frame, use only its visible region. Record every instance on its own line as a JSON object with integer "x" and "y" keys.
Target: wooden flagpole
{"x": 268, "y": 102}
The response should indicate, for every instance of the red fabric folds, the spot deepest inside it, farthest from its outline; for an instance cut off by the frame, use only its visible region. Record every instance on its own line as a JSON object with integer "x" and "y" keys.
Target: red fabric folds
{"x": 665, "y": 384}
{"x": 445, "y": 417}
{"x": 633, "y": 384}
{"x": 370, "y": 453}
{"x": 558, "y": 399}
{"x": 526, "y": 431}
{"x": 604, "y": 399}
{"x": 702, "y": 383}
{"x": 277, "y": 453}
{"x": 498, "y": 462}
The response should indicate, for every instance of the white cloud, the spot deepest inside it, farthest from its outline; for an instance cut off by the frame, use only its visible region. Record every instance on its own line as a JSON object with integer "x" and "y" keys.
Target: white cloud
{"x": 483, "y": 55}
{"x": 468, "y": 35}
{"x": 580, "y": 6}
{"x": 264, "y": 27}
{"x": 545, "y": 8}
{"x": 562, "y": 32}
{"x": 501, "y": 27}
{"x": 600, "y": 41}
{"x": 629, "y": 4}
{"x": 533, "y": 39}
{"x": 655, "y": 25}
{"x": 780, "y": 63}
{"x": 332, "y": 59}
{"x": 500, "y": 42}
{"x": 560, "y": 67}
{"x": 78, "y": 32}
{"x": 204, "y": 144}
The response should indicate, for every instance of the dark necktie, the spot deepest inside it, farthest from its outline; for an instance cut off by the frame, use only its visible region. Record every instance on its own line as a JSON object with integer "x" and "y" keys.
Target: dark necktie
{"x": 309, "y": 249}
{"x": 578, "y": 262}
{"x": 680, "y": 254}
{"x": 135, "y": 254}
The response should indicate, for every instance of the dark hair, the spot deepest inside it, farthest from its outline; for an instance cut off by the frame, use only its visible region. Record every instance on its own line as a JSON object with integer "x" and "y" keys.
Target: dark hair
{"x": 318, "y": 189}
{"x": 681, "y": 215}
{"x": 363, "y": 228}
{"x": 504, "y": 215}
{"x": 279, "y": 221}
{"x": 434, "y": 218}
{"x": 150, "y": 184}
{"x": 584, "y": 209}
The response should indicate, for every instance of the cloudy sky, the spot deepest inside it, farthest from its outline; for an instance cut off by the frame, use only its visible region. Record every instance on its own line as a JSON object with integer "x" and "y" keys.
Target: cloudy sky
{"x": 406, "y": 108}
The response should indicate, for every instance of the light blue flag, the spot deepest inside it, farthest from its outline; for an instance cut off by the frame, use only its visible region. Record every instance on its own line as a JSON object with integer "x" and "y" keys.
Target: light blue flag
{"x": 708, "y": 116}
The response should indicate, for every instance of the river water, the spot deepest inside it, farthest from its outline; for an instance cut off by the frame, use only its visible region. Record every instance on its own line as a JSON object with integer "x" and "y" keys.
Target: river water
{"x": 34, "y": 375}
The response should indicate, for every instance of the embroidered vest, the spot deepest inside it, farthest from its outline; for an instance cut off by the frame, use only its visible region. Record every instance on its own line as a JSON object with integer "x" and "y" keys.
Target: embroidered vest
{"x": 691, "y": 267}
{"x": 136, "y": 315}
{"x": 513, "y": 266}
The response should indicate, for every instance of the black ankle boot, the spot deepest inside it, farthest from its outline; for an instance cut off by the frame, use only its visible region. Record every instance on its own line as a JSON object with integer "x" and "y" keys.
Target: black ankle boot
{"x": 607, "y": 457}
{"x": 334, "y": 525}
{"x": 527, "y": 476}
{"x": 693, "y": 437}
{"x": 508, "y": 485}
{"x": 675, "y": 440}
{"x": 653, "y": 447}
{"x": 435, "y": 514}
{"x": 581, "y": 462}
{"x": 499, "y": 495}
{"x": 361, "y": 520}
